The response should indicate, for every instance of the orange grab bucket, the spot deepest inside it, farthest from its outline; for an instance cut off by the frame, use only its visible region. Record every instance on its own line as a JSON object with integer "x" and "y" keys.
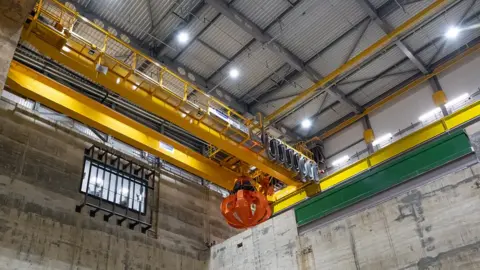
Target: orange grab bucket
{"x": 246, "y": 207}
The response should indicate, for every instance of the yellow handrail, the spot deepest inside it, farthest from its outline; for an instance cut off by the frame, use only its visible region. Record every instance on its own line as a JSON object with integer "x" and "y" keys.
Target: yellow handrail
{"x": 136, "y": 52}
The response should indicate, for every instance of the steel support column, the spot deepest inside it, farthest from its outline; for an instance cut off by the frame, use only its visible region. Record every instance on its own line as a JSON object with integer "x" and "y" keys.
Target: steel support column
{"x": 438, "y": 91}
{"x": 368, "y": 133}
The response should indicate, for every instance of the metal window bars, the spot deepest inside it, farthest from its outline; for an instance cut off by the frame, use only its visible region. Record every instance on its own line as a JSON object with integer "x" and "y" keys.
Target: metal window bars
{"x": 117, "y": 187}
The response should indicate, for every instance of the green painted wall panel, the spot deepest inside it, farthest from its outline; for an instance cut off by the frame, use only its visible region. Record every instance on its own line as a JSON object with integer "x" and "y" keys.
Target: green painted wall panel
{"x": 414, "y": 163}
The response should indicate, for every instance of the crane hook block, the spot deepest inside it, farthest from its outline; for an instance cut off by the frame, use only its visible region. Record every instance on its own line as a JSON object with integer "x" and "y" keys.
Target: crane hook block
{"x": 245, "y": 207}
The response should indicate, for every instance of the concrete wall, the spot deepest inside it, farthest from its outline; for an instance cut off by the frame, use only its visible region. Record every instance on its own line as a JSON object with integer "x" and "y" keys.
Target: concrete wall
{"x": 40, "y": 173}
{"x": 433, "y": 226}
{"x": 12, "y": 15}
{"x": 271, "y": 245}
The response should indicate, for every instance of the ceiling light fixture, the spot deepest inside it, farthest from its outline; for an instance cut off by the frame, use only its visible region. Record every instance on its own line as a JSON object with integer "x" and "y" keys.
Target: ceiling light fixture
{"x": 452, "y": 32}
{"x": 66, "y": 49}
{"x": 306, "y": 123}
{"x": 382, "y": 139}
{"x": 340, "y": 161}
{"x": 118, "y": 80}
{"x": 183, "y": 37}
{"x": 457, "y": 100}
{"x": 426, "y": 116}
{"x": 234, "y": 73}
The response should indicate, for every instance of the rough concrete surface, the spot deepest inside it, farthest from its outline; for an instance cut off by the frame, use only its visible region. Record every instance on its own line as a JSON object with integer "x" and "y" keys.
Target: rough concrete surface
{"x": 269, "y": 246}
{"x": 434, "y": 226}
{"x": 40, "y": 173}
{"x": 12, "y": 16}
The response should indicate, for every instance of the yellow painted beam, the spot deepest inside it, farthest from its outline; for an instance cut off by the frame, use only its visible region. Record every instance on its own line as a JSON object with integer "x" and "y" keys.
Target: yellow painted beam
{"x": 69, "y": 102}
{"x": 435, "y": 129}
{"x": 360, "y": 57}
{"x": 46, "y": 40}
{"x": 398, "y": 93}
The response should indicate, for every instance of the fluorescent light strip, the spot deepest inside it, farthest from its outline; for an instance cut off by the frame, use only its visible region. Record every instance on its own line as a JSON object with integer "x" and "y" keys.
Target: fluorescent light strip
{"x": 457, "y": 100}
{"x": 429, "y": 114}
{"x": 340, "y": 161}
{"x": 382, "y": 139}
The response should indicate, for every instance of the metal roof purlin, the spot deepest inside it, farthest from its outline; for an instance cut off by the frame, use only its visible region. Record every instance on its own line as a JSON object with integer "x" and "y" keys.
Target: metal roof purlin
{"x": 385, "y": 72}
{"x": 387, "y": 8}
{"x": 370, "y": 10}
{"x": 249, "y": 27}
{"x": 383, "y": 99}
{"x": 358, "y": 59}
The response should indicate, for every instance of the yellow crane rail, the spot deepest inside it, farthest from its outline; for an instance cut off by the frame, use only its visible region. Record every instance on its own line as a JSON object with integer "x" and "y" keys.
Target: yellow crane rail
{"x": 118, "y": 67}
{"x": 359, "y": 57}
{"x": 429, "y": 132}
{"x": 397, "y": 93}
{"x": 38, "y": 87}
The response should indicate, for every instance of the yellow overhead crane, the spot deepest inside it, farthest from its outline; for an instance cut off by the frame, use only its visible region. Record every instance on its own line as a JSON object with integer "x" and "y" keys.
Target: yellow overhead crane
{"x": 109, "y": 61}
{"x": 36, "y": 86}
{"x": 100, "y": 56}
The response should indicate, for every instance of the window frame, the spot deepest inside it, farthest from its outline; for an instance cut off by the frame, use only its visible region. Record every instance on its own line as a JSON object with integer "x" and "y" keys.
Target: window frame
{"x": 121, "y": 175}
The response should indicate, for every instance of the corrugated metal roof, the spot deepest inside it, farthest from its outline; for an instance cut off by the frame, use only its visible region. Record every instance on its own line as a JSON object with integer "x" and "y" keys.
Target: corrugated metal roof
{"x": 261, "y": 12}
{"x": 254, "y": 64}
{"x": 440, "y": 25}
{"x": 311, "y": 108}
{"x": 267, "y": 106}
{"x": 292, "y": 87}
{"x": 399, "y": 16}
{"x": 377, "y": 3}
{"x": 201, "y": 59}
{"x": 329, "y": 117}
{"x": 335, "y": 56}
{"x": 130, "y": 15}
{"x": 269, "y": 84}
{"x": 307, "y": 29}
{"x": 204, "y": 17}
{"x": 379, "y": 64}
{"x": 226, "y": 36}
{"x": 383, "y": 84}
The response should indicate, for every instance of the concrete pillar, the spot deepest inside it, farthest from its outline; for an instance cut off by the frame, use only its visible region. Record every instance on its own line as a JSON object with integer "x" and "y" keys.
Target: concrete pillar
{"x": 13, "y": 14}
{"x": 368, "y": 134}
{"x": 439, "y": 97}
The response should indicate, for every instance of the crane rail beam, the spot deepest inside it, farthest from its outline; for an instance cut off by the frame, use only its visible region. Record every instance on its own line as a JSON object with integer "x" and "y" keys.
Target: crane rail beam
{"x": 38, "y": 87}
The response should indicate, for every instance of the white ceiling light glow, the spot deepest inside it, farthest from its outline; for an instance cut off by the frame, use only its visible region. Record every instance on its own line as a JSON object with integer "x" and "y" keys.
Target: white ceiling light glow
{"x": 457, "y": 100}
{"x": 340, "y": 161}
{"x": 452, "y": 32}
{"x": 429, "y": 115}
{"x": 183, "y": 37}
{"x": 234, "y": 73}
{"x": 306, "y": 123}
{"x": 382, "y": 139}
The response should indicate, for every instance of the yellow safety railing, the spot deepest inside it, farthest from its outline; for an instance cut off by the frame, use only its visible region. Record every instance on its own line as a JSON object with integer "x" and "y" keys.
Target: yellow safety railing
{"x": 143, "y": 72}
{"x": 62, "y": 34}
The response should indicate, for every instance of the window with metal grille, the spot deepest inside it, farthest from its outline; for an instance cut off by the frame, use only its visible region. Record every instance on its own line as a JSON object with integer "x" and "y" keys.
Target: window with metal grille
{"x": 112, "y": 185}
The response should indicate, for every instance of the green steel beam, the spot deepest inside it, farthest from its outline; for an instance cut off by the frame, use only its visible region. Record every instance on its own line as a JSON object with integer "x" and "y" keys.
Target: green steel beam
{"x": 429, "y": 156}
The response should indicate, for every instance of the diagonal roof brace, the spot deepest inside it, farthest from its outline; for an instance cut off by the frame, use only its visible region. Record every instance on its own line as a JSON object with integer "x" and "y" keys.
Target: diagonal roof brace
{"x": 370, "y": 10}
{"x": 250, "y": 27}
